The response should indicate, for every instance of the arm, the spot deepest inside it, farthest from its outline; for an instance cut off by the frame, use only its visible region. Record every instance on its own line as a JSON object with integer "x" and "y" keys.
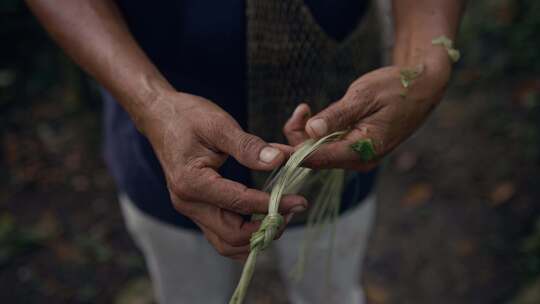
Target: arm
{"x": 416, "y": 23}
{"x": 376, "y": 106}
{"x": 190, "y": 135}
{"x": 95, "y": 36}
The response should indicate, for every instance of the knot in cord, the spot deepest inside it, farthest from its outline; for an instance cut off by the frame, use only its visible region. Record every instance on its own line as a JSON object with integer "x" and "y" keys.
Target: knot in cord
{"x": 267, "y": 231}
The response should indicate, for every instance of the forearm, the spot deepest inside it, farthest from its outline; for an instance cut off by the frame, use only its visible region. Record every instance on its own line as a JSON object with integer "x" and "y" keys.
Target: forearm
{"x": 95, "y": 36}
{"x": 417, "y": 22}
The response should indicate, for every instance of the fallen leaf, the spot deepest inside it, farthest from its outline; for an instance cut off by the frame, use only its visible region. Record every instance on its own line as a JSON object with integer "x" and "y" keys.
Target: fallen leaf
{"x": 502, "y": 193}
{"x": 417, "y": 195}
{"x": 464, "y": 247}
{"x": 67, "y": 252}
{"x": 48, "y": 225}
{"x": 376, "y": 294}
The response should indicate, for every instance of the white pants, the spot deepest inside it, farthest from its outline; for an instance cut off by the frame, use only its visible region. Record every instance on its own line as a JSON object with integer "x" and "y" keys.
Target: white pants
{"x": 185, "y": 268}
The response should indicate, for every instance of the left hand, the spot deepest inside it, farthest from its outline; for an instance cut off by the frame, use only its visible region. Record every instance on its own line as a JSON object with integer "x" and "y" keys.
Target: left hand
{"x": 372, "y": 108}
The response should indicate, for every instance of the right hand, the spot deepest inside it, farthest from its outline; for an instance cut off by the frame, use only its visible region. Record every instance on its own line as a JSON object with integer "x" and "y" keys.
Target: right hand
{"x": 192, "y": 137}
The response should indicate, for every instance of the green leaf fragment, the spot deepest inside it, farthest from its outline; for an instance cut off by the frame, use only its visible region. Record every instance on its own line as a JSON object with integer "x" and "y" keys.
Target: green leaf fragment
{"x": 365, "y": 149}
{"x": 407, "y": 75}
{"x": 454, "y": 55}
{"x": 405, "y": 78}
{"x": 449, "y": 45}
{"x": 444, "y": 41}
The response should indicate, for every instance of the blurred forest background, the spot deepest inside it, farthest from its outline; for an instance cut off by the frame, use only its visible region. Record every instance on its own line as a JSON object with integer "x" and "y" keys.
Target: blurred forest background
{"x": 459, "y": 219}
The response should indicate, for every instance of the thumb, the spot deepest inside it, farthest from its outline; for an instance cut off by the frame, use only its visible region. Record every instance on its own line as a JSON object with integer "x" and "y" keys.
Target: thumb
{"x": 250, "y": 150}
{"x": 340, "y": 115}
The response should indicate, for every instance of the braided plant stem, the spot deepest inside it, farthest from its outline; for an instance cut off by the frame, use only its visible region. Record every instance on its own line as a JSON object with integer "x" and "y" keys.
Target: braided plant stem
{"x": 288, "y": 177}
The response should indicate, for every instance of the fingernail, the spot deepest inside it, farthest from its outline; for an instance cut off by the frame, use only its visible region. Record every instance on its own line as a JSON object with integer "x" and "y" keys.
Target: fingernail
{"x": 318, "y": 126}
{"x": 297, "y": 209}
{"x": 268, "y": 154}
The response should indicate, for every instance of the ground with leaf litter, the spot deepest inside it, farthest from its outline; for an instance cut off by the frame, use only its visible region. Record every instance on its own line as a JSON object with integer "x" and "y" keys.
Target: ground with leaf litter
{"x": 455, "y": 219}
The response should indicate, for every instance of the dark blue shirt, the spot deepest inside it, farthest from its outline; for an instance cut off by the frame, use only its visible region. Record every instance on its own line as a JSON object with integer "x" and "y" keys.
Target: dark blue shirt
{"x": 199, "y": 46}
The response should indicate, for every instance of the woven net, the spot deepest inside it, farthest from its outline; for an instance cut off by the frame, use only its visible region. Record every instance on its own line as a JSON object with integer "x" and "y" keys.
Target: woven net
{"x": 292, "y": 60}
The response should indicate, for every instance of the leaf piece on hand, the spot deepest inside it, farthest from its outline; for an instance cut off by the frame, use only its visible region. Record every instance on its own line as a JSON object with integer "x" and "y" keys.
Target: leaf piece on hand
{"x": 365, "y": 149}
{"x": 449, "y": 46}
{"x": 444, "y": 41}
{"x": 454, "y": 55}
{"x": 407, "y": 75}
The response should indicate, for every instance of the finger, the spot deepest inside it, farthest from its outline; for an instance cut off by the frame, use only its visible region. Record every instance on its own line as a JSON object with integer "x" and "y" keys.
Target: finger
{"x": 222, "y": 247}
{"x": 206, "y": 185}
{"x": 341, "y": 115}
{"x": 230, "y": 227}
{"x": 285, "y": 149}
{"x": 249, "y": 150}
{"x": 294, "y": 128}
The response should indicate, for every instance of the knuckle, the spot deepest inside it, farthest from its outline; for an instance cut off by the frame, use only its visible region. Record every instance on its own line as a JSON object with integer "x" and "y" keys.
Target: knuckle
{"x": 182, "y": 190}
{"x": 215, "y": 130}
{"x": 248, "y": 143}
{"x": 368, "y": 97}
{"x": 238, "y": 204}
{"x": 363, "y": 94}
{"x": 339, "y": 114}
{"x": 360, "y": 90}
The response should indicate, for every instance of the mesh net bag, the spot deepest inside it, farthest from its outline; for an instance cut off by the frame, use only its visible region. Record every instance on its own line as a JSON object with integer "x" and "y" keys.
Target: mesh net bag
{"x": 292, "y": 60}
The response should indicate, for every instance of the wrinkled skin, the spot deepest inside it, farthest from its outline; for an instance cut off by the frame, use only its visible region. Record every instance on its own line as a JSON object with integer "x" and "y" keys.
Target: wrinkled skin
{"x": 374, "y": 107}
{"x": 192, "y": 138}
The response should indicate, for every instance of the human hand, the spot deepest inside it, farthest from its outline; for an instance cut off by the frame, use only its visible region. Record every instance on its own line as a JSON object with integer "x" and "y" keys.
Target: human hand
{"x": 375, "y": 107}
{"x": 192, "y": 138}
